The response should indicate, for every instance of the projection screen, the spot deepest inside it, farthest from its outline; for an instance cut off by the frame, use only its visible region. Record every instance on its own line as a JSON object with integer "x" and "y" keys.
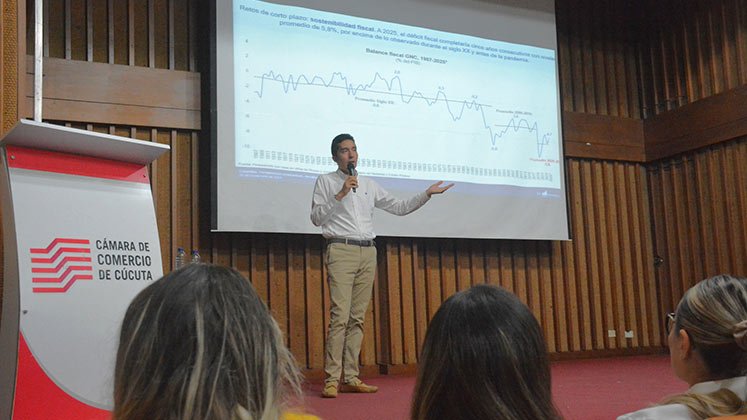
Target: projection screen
{"x": 462, "y": 91}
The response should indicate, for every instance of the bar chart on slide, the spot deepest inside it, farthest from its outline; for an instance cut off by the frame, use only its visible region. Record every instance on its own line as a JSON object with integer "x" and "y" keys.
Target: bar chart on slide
{"x": 422, "y": 104}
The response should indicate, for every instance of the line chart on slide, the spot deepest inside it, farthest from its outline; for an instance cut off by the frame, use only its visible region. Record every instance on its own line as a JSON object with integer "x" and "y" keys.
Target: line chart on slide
{"x": 454, "y": 108}
{"x": 499, "y": 137}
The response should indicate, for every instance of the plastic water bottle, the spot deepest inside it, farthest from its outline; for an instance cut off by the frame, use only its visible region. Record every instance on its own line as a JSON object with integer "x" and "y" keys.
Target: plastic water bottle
{"x": 179, "y": 258}
{"x": 195, "y": 256}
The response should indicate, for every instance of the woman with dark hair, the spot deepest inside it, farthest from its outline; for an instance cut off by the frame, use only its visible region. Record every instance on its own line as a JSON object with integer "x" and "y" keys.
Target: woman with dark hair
{"x": 200, "y": 344}
{"x": 708, "y": 350}
{"x": 483, "y": 358}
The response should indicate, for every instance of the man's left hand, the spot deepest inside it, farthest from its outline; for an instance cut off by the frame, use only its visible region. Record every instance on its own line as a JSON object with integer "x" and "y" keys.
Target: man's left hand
{"x": 437, "y": 188}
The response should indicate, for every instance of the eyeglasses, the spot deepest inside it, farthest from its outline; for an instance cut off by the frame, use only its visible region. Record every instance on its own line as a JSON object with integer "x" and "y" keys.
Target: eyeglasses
{"x": 669, "y": 322}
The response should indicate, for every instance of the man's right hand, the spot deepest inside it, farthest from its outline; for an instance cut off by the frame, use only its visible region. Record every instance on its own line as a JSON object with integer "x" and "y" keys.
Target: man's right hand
{"x": 350, "y": 183}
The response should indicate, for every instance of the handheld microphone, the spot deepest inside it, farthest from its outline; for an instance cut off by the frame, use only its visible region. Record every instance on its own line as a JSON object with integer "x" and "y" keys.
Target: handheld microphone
{"x": 351, "y": 171}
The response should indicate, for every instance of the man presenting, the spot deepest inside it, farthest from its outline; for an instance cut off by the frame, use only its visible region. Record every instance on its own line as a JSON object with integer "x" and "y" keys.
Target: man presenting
{"x": 343, "y": 206}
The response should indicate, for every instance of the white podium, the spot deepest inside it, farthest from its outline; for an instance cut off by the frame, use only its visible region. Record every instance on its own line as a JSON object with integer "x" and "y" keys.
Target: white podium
{"x": 80, "y": 238}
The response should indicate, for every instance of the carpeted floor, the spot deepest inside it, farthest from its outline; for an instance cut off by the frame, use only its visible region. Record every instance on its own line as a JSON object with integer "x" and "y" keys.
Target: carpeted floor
{"x": 583, "y": 390}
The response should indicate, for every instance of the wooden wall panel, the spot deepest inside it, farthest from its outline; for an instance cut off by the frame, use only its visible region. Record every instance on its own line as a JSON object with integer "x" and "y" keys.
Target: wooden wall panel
{"x": 603, "y": 137}
{"x": 691, "y": 50}
{"x": 116, "y": 94}
{"x": 12, "y": 43}
{"x": 719, "y": 118}
{"x": 694, "y": 68}
{"x": 700, "y": 217}
{"x": 597, "y": 51}
{"x": 599, "y": 79}
{"x": 603, "y": 280}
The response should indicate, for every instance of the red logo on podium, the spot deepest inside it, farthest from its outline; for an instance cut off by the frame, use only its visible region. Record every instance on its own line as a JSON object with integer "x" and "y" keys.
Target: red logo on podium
{"x": 64, "y": 261}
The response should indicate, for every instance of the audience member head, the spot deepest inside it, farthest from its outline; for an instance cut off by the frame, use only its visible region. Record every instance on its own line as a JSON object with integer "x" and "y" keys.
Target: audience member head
{"x": 708, "y": 341}
{"x": 199, "y": 343}
{"x": 484, "y": 357}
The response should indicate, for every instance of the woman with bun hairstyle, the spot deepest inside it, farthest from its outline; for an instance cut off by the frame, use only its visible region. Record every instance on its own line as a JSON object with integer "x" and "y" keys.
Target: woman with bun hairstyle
{"x": 708, "y": 350}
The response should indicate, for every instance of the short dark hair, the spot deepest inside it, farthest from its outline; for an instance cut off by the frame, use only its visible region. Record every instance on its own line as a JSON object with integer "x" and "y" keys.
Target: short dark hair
{"x": 483, "y": 358}
{"x": 339, "y": 139}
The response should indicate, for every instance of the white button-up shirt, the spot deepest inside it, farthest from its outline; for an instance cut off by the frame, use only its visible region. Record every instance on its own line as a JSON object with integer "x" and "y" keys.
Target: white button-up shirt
{"x": 352, "y": 217}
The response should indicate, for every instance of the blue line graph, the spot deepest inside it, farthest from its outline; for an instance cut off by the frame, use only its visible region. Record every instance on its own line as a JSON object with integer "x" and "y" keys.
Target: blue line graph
{"x": 394, "y": 87}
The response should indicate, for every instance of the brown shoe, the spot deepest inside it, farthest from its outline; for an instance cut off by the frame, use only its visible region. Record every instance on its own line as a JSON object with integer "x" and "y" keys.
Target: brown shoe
{"x": 356, "y": 385}
{"x": 330, "y": 390}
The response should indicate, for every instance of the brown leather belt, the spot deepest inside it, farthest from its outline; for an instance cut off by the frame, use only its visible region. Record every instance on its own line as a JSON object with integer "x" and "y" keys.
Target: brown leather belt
{"x": 356, "y": 242}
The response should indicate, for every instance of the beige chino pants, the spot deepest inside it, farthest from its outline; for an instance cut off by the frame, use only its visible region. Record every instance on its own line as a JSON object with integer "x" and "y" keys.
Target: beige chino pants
{"x": 351, "y": 271}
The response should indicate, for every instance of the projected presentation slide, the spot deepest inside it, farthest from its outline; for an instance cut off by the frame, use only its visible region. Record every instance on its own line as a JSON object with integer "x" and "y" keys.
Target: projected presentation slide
{"x": 461, "y": 91}
{"x": 424, "y": 104}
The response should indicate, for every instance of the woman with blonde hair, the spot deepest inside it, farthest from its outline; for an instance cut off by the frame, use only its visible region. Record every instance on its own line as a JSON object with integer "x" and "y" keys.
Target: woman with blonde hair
{"x": 484, "y": 357}
{"x": 708, "y": 349}
{"x": 200, "y": 344}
